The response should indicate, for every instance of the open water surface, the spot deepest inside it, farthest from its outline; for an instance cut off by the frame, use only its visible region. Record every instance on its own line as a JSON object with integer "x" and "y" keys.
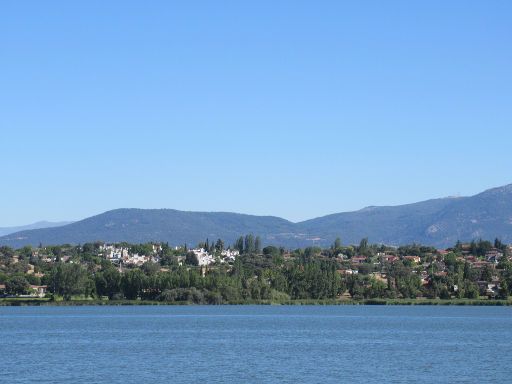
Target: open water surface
{"x": 256, "y": 344}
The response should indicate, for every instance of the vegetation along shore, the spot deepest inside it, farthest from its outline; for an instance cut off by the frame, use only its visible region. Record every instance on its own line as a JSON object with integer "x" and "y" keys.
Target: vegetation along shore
{"x": 476, "y": 273}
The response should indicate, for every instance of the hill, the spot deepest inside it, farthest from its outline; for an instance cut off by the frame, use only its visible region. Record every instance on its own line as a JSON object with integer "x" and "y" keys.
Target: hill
{"x": 438, "y": 222}
{"x": 143, "y": 225}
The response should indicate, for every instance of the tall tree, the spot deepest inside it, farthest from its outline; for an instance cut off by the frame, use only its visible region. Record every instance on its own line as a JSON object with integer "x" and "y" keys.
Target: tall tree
{"x": 257, "y": 245}
{"x": 68, "y": 280}
{"x": 363, "y": 246}
{"x": 132, "y": 283}
{"x": 239, "y": 245}
{"x": 219, "y": 245}
{"x": 249, "y": 244}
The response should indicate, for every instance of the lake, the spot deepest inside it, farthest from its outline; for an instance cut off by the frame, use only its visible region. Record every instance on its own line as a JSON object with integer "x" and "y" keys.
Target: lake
{"x": 261, "y": 344}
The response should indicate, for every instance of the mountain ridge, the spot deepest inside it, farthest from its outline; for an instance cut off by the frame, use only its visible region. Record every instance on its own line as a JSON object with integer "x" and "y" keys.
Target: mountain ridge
{"x": 438, "y": 222}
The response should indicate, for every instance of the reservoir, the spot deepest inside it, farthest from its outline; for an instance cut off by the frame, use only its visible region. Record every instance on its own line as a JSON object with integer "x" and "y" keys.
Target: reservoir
{"x": 256, "y": 344}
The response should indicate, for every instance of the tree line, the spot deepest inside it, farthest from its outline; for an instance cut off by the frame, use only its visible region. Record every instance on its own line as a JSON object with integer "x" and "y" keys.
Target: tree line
{"x": 269, "y": 273}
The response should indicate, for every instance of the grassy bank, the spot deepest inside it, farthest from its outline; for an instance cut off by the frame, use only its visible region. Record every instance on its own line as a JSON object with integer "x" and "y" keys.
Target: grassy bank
{"x": 81, "y": 302}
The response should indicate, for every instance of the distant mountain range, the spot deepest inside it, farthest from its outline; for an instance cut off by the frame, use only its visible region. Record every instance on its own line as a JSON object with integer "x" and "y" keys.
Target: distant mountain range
{"x": 40, "y": 224}
{"x": 438, "y": 222}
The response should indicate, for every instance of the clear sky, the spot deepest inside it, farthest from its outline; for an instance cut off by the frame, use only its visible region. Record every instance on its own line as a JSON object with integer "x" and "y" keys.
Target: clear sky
{"x": 290, "y": 108}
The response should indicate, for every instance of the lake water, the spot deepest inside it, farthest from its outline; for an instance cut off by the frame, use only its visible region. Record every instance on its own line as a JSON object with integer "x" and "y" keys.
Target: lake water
{"x": 260, "y": 344}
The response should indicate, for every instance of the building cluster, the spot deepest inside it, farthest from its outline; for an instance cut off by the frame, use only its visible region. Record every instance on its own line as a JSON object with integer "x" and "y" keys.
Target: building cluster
{"x": 119, "y": 254}
{"x": 424, "y": 266}
{"x": 204, "y": 258}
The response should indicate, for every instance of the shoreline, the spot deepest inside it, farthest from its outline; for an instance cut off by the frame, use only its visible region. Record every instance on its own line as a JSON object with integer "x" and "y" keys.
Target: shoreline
{"x": 14, "y": 302}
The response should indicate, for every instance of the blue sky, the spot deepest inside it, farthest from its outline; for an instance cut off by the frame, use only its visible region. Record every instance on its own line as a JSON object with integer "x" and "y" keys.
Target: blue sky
{"x": 290, "y": 108}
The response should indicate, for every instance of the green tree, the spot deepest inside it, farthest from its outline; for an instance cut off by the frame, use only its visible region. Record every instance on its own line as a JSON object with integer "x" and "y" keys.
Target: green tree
{"x": 504, "y": 292}
{"x": 17, "y": 285}
{"x": 88, "y": 248}
{"x": 132, "y": 283}
{"x": 108, "y": 282}
{"x": 444, "y": 294}
{"x": 150, "y": 268}
{"x": 271, "y": 251}
{"x": 25, "y": 252}
{"x": 142, "y": 249}
{"x": 6, "y": 252}
{"x": 191, "y": 259}
{"x": 249, "y": 244}
{"x": 239, "y": 245}
{"x": 470, "y": 290}
{"x": 499, "y": 245}
{"x": 363, "y": 248}
{"x": 219, "y": 245}
{"x": 486, "y": 274}
{"x": 257, "y": 245}
{"x": 68, "y": 280}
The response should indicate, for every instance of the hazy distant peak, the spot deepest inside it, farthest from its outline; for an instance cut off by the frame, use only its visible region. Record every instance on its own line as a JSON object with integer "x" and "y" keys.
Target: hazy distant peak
{"x": 37, "y": 225}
